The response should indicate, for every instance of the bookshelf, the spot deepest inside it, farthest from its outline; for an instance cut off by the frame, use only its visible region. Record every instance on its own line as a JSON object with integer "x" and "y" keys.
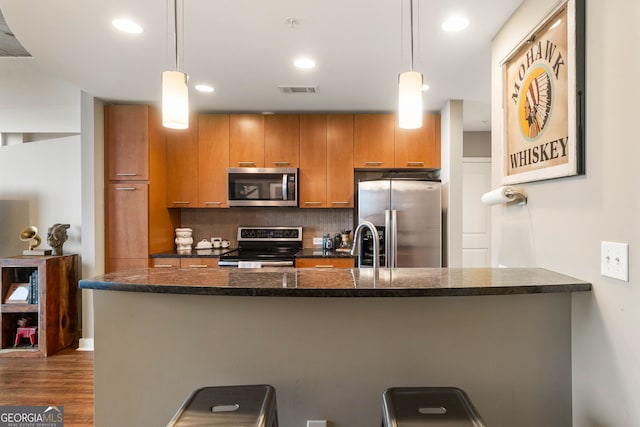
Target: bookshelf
{"x": 38, "y": 305}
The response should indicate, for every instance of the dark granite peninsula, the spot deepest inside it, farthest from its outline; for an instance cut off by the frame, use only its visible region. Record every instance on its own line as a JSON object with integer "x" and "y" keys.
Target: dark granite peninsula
{"x": 337, "y": 341}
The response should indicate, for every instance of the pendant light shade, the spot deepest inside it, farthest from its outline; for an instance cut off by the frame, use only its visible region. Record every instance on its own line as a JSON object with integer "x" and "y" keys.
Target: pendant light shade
{"x": 410, "y": 92}
{"x": 410, "y": 100}
{"x": 175, "y": 100}
{"x": 175, "y": 90}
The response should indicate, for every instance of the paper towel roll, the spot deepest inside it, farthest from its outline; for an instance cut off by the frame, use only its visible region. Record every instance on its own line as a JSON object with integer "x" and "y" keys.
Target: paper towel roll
{"x": 499, "y": 195}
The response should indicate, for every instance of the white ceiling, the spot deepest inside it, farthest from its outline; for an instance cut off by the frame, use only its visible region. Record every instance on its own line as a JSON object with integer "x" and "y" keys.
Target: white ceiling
{"x": 245, "y": 49}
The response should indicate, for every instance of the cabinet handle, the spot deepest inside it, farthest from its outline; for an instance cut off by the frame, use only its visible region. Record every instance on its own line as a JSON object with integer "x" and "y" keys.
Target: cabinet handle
{"x": 415, "y": 163}
{"x": 312, "y": 203}
{"x": 212, "y": 203}
{"x": 125, "y": 189}
{"x": 373, "y": 163}
{"x": 180, "y": 203}
{"x": 339, "y": 203}
{"x": 281, "y": 163}
{"x": 246, "y": 163}
{"x": 126, "y": 174}
{"x": 324, "y": 266}
{"x": 163, "y": 266}
{"x": 198, "y": 266}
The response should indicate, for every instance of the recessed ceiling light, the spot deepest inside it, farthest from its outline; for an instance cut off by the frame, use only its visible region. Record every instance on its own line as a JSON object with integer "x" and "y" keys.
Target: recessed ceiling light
{"x": 455, "y": 23}
{"x": 304, "y": 63}
{"x": 204, "y": 88}
{"x": 127, "y": 26}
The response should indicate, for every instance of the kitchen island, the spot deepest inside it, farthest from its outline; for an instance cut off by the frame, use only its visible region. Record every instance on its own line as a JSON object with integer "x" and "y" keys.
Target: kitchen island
{"x": 338, "y": 339}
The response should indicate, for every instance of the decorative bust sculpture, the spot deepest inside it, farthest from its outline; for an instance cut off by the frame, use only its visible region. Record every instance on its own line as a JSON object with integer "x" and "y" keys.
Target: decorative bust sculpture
{"x": 56, "y": 236}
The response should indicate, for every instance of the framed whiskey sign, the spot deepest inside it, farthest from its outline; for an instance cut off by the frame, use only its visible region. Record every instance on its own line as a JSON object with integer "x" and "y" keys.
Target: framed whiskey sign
{"x": 543, "y": 99}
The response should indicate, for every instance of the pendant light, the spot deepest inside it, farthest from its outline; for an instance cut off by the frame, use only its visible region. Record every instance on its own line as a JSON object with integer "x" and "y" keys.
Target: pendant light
{"x": 175, "y": 91}
{"x": 410, "y": 91}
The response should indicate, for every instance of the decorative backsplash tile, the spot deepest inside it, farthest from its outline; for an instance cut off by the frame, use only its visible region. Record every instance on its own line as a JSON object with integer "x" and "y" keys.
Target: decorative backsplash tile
{"x": 207, "y": 223}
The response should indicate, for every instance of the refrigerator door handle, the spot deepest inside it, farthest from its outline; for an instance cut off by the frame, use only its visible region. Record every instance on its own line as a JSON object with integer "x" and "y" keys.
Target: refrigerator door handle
{"x": 388, "y": 255}
{"x": 394, "y": 239}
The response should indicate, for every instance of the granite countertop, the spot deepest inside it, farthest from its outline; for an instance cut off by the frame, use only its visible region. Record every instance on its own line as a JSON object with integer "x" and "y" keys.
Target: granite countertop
{"x": 194, "y": 253}
{"x": 216, "y": 253}
{"x": 339, "y": 282}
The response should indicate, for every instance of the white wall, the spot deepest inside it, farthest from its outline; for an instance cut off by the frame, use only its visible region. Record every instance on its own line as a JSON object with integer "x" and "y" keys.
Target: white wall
{"x": 47, "y": 173}
{"x": 566, "y": 219}
{"x": 451, "y": 176}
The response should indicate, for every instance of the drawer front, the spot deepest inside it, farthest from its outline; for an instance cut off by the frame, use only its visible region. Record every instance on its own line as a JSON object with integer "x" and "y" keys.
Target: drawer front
{"x": 325, "y": 263}
{"x": 199, "y": 263}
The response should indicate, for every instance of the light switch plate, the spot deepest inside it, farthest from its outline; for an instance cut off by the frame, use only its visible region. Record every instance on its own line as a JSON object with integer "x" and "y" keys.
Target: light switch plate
{"x": 614, "y": 260}
{"x": 316, "y": 423}
{"x": 317, "y": 240}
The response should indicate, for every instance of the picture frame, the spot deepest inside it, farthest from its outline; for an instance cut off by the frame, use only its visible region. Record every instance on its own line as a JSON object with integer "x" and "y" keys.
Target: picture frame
{"x": 543, "y": 99}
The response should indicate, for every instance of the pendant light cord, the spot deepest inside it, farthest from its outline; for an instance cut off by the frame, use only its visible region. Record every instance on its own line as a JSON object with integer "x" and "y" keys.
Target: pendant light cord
{"x": 175, "y": 32}
{"x": 411, "y": 27}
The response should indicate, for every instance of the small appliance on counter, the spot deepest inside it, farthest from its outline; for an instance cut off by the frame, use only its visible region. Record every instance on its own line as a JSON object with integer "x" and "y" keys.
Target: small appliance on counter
{"x": 264, "y": 247}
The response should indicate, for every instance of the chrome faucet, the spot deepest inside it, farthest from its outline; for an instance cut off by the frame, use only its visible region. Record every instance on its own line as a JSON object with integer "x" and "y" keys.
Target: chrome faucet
{"x": 376, "y": 244}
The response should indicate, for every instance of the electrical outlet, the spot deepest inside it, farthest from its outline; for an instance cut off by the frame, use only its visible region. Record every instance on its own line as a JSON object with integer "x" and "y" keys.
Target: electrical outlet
{"x": 317, "y": 240}
{"x": 614, "y": 260}
{"x": 316, "y": 423}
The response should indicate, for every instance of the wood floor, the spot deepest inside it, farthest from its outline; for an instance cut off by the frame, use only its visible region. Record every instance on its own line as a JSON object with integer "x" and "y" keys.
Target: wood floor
{"x": 64, "y": 379}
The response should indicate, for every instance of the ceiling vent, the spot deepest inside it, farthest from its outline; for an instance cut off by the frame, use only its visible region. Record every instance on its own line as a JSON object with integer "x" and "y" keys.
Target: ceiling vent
{"x": 298, "y": 89}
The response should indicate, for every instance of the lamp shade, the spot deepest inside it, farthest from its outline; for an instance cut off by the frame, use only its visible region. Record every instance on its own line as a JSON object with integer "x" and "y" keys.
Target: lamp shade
{"x": 410, "y": 100}
{"x": 175, "y": 100}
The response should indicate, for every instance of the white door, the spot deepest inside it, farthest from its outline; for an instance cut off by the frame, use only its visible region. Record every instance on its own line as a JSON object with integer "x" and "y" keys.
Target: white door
{"x": 476, "y": 217}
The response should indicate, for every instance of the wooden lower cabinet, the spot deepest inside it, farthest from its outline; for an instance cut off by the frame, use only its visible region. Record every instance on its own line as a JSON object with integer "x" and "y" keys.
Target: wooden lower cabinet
{"x": 47, "y": 320}
{"x": 339, "y": 262}
{"x": 181, "y": 262}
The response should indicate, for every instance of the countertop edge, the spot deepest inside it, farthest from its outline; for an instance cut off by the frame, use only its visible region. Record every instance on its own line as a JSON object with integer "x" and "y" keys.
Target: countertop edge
{"x": 337, "y": 293}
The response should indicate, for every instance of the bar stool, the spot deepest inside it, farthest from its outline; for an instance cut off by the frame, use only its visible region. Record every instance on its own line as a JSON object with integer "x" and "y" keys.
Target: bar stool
{"x": 428, "y": 406}
{"x": 238, "y": 405}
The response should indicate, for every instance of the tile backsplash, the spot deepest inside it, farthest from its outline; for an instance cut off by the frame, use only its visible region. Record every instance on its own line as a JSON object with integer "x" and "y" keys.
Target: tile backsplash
{"x": 207, "y": 223}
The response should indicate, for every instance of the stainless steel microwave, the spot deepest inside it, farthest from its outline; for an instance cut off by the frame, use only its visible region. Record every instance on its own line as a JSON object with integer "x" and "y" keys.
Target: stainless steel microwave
{"x": 263, "y": 186}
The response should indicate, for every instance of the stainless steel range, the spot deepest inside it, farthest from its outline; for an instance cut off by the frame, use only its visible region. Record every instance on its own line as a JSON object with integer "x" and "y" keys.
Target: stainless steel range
{"x": 264, "y": 247}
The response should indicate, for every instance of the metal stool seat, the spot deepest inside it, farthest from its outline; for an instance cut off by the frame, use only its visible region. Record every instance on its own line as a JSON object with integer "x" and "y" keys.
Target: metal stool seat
{"x": 428, "y": 406}
{"x": 239, "y": 405}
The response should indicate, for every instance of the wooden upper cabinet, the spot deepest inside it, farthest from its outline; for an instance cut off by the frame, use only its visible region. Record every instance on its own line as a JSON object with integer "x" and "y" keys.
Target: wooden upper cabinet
{"x": 416, "y": 148}
{"x": 340, "y": 160}
{"x": 213, "y": 159}
{"x": 281, "y": 135}
{"x": 246, "y": 140}
{"x": 127, "y": 142}
{"x": 313, "y": 161}
{"x": 373, "y": 140}
{"x": 326, "y": 161}
{"x": 182, "y": 166}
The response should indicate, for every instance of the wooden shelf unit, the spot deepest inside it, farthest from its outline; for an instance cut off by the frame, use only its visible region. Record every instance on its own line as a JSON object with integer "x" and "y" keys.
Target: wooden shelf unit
{"x": 54, "y": 313}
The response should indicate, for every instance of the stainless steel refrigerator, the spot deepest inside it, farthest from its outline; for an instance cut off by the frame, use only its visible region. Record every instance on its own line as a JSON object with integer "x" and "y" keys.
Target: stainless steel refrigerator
{"x": 408, "y": 215}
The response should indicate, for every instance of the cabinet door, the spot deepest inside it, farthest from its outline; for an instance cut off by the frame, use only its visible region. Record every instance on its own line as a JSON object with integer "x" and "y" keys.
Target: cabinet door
{"x": 213, "y": 159}
{"x": 127, "y": 223}
{"x": 416, "y": 148}
{"x": 340, "y": 160}
{"x": 281, "y": 136}
{"x": 373, "y": 136}
{"x": 182, "y": 167}
{"x": 313, "y": 161}
{"x": 127, "y": 142}
{"x": 246, "y": 140}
